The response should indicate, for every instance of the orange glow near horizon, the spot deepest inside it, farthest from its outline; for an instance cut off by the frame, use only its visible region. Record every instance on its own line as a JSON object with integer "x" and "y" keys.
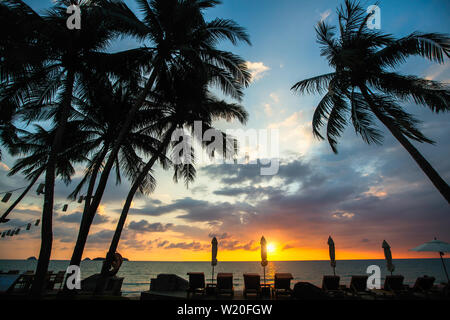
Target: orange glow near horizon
{"x": 275, "y": 248}
{"x": 274, "y": 254}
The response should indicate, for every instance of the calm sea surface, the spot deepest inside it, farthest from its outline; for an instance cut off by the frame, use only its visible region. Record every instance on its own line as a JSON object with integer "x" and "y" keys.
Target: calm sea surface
{"x": 137, "y": 274}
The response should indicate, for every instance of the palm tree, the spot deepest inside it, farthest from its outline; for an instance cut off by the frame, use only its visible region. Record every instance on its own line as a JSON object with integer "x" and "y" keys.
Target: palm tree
{"x": 184, "y": 98}
{"x": 103, "y": 112}
{"x": 364, "y": 84}
{"x": 34, "y": 148}
{"x": 51, "y": 76}
{"x": 174, "y": 33}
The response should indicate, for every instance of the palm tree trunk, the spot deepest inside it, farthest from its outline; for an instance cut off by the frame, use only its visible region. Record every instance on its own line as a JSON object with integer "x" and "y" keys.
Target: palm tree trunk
{"x": 47, "y": 213}
{"x": 123, "y": 216}
{"x": 426, "y": 167}
{"x": 95, "y": 198}
{"x": 86, "y": 220}
{"x": 24, "y": 193}
{"x": 117, "y": 144}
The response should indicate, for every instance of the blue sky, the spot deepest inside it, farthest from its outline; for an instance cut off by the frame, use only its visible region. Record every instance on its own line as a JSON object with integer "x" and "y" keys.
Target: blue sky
{"x": 362, "y": 195}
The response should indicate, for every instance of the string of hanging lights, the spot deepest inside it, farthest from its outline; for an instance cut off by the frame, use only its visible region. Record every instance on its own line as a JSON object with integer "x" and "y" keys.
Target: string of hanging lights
{"x": 15, "y": 231}
{"x": 40, "y": 190}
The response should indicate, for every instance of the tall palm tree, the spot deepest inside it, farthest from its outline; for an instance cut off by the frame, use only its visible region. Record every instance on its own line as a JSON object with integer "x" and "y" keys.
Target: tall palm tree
{"x": 174, "y": 32}
{"x": 103, "y": 113}
{"x": 364, "y": 83}
{"x": 184, "y": 98}
{"x": 56, "y": 61}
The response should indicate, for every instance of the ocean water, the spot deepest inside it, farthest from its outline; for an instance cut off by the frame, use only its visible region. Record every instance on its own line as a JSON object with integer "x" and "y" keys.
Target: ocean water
{"x": 137, "y": 274}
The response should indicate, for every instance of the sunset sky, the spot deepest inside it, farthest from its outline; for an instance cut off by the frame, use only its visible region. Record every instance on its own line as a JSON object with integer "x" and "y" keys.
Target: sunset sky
{"x": 360, "y": 197}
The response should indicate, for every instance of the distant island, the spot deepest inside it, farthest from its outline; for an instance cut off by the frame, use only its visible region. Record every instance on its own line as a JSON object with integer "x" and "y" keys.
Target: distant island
{"x": 103, "y": 259}
{"x": 87, "y": 259}
{"x": 32, "y": 258}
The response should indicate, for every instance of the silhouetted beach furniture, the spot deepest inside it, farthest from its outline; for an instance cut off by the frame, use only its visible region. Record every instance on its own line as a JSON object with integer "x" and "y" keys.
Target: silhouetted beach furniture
{"x": 358, "y": 287}
{"x": 394, "y": 284}
{"x": 166, "y": 287}
{"x": 25, "y": 281}
{"x": 224, "y": 284}
{"x": 252, "y": 284}
{"x": 13, "y": 272}
{"x": 196, "y": 283}
{"x": 332, "y": 287}
{"x": 282, "y": 285}
{"x": 330, "y": 283}
{"x": 423, "y": 284}
{"x": 56, "y": 279}
{"x": 101, "y": 285}
{"x": 7, "y": 282}
{"x": 423, "y": 287}
{"x": 168, "y": 282}
{"x": 393, "y": 287}
{"x": 308, "y": 291}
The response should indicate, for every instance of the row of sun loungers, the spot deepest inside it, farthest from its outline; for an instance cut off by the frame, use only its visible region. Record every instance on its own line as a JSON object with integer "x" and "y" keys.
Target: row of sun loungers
{"x": 21, "y": 283}
{"x": 331, "y": 287}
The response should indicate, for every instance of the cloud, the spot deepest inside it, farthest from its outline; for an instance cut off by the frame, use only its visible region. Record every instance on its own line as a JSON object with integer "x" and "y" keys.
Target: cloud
{"x": 287, "y": 247}
{"x": 145, "y": 226}
{"x": 195, "y": 246}
{"x": 438, "y": 72}
{"x": 274, "y": 97}
{"x": 343, "y": 215}
{"x": 76, "y": 218}
{"x": 257, "y": 70}
{"x": 324, "y": 15}
{"x": 268, "y": 109}
{"x": 295, "y": 132}
{"x": 221, "y": 236}
{"x": 232, "y": 174}
{"x": 232, "y": 245}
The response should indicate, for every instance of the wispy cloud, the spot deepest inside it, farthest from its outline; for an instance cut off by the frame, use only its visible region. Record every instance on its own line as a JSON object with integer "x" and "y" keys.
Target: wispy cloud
{"x": 324, "y": 15}
{"x": 257, "y": 69}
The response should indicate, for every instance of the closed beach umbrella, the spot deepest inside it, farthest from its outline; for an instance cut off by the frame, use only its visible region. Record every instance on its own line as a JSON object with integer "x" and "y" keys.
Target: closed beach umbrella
{"x": 388, "y": 256}
{"x": 332, "y": 254}
{"x": 264, "y": 255}
{"x": 435, "y": 246}
{"x": 214, "y": 244}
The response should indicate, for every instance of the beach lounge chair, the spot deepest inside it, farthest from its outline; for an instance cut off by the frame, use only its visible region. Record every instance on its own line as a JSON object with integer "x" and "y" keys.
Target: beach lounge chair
{"x": 308, "y": 291}
{"x": 331, "y": 286}
{"x": 252, "y": 284}
{"x": 358, "y": 288}
{"x": 58, "y": 278}
{"x": 7, "y": 282}
{"x": 13, "y": 272}
{"x": 23, "y": 284}
{"x": 423, "y": 287}
{"x": 282, "y": 284}
{"x": 330, "y": 283}
{"x": 394, "y": 283}
{"x": 393, "y": 287}
{"x": 423, "y": 284}
{"x": 196, "y": 283}
{"x": 224, "y": 284}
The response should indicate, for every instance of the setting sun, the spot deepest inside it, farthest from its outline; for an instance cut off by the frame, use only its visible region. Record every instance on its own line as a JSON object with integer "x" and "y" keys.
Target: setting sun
{"x": 270, "y": 248}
